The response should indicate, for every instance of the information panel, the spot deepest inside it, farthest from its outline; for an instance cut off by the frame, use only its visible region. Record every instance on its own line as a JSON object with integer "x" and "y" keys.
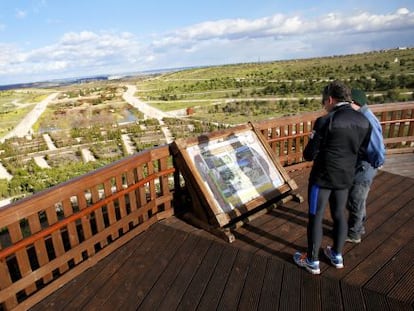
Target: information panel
{"x": 235, "y": 169}
{"x": 231, "y": 172}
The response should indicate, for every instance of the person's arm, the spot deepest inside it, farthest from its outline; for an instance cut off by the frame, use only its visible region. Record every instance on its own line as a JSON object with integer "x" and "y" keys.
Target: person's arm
{"x": 315, "y": 139}
{"x": 376, "y": 148}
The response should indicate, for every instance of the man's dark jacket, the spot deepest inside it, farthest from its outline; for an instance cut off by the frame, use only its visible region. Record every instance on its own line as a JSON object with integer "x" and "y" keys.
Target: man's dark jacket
{"x": 338, "y": 138}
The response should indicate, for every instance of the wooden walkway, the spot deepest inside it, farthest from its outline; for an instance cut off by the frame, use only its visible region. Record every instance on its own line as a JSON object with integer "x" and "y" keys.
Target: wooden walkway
{"x": 401, "y": 164}
{"x": 174, "y": 266}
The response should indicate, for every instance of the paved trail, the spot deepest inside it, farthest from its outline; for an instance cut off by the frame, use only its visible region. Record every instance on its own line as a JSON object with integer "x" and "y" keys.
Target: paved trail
{"x": 147, "y": 110}
{"x": 25, "y": 125}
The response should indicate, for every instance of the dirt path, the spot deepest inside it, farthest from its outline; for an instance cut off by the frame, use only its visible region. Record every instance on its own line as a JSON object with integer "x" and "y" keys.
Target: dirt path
{"x": 25, "y": 126}
{"x": 147, "y": 110}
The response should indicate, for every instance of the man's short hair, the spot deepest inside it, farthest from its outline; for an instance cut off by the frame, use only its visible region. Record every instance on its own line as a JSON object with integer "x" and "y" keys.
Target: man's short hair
{"x": 338, "y": 90}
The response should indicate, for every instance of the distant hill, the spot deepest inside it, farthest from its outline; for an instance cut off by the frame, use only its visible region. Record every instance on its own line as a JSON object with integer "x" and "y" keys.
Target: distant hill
{"x": 69, "y": 81}
{"x": 53, "y": 83}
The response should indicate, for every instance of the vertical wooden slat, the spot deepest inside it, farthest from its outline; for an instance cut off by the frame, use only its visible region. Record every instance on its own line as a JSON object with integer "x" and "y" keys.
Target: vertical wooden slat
{"x": 299, "y": 133}
{"x": 86, "y": 226}
{"x": 164, "y": 188}
{"x": 282, "y": 143}
{"x": 266, "y": 133}
{"x": 121, "y": 201}
{"x": 57, "y": 241}
{"x": 411, "y": 131}
{"x": 392, "y": 125}
{"x": 152, "y": 189}
{"x": 21, "y": 255}
{"x": 6, "y": 281}
{"x": 275, "y": 145}
{"x": 384, "y": 125}
{"x": 307, "y": 128}
{"x": 290, "y": 143}
{"x": 71, "y": 227}
{"x": 411, "y": 125}
{"x": 164, "y": 181}
{"x": 110, "y": 207}
{"x": 142, "y": 198}
{"x": 132, "y": 195}
{"x": 100, "y": 225}
{"x": 403, "y": 127}
{"x": 39, "y": 245}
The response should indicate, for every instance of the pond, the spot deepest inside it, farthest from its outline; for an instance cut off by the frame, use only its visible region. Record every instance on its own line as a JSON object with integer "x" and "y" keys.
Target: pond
{"x": 128, "y": 117}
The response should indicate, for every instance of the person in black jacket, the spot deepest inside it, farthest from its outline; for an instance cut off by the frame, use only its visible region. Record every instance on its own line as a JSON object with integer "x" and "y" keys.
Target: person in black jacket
{"x": 337, "y": 139}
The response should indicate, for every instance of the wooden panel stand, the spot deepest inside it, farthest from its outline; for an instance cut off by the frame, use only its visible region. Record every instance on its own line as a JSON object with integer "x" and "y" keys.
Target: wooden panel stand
{"x": 231, "y": 175}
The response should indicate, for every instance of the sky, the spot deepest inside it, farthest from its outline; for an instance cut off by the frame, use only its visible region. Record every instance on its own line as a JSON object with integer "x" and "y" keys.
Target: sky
{"x": 57, "y": 39}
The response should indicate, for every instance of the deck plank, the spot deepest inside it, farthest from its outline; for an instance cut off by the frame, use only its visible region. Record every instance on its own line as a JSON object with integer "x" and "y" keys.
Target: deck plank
{"x": 201, "y": 278}
{"x": 127, "y": 278}
{"x": 382, "y": 253}
{"x": 136, "y": 286}
{"x": 375, "y": 301}
{"x": 166, "y": 278}
{"x": 387, "y": 278}
{"x": 404, "y": 290}
{"x": 272, "y": 285}
{"x": 250, "y": 297}
{"x": 217, "y": 284}
{"x": 352, "y": 297}
{"x": 174, "y": 294}
{"x": 175, "y": 266}
{"x": 331, "y": 294}
{"x": 401, "y": 164}
{"x": 291, "y": 289}
{"x": 380, "y": 227}
{"x": 311, "y": 298}
{"x": 235, "y": 282}
{"x": 77, "y": 292}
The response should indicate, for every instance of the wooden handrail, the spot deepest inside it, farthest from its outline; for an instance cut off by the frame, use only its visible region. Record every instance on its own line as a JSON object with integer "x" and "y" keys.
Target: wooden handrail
{"x": 287, "y": 137}
{"x": 396, "y": 121}
{"x": 62, "y": 223}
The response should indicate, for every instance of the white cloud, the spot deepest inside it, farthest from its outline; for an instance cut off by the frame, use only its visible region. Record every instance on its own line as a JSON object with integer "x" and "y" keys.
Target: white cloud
{"x": 20, "y": 14}
{"x": 212, "y": 42}
{"x": 280, "y": 26}
{"x": 87, "y": 52}
{"x": 282, "y": 37}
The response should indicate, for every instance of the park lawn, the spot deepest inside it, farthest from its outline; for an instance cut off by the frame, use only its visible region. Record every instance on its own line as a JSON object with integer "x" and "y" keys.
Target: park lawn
{"x": 10, "y": 118}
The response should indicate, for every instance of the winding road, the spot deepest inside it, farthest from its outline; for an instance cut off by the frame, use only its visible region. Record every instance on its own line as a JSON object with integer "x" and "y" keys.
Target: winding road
{"x": 25, "y": 126}
{"x": 147, "y": 110}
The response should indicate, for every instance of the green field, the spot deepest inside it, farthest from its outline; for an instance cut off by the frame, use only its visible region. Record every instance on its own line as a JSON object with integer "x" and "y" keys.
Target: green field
{"x": 280, "y": 87}
{"x": 93, "y": 115}
{"x": 14, "y": 105}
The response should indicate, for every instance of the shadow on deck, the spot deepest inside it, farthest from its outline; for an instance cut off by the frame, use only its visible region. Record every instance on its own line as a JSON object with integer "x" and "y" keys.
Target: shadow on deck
{"x": 174, "y": 266}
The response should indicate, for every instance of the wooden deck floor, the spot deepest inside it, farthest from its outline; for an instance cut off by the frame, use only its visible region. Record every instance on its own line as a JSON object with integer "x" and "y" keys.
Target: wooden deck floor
{"x": 174, "y": 266}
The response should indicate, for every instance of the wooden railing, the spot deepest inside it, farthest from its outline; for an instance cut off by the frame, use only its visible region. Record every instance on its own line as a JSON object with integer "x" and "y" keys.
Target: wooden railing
{"x": 287, "y": 136}
{"x": 51, "y": 237}
{"x": 397, "y": 121}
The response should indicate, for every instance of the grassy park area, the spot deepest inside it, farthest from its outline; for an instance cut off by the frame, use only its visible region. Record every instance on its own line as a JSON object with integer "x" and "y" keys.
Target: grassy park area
{"x": 95, "y": 116}
{"x": 278, "y": 88}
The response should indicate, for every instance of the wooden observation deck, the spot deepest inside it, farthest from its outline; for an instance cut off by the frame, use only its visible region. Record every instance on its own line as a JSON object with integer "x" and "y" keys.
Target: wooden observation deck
{"x": 114, "y": 239}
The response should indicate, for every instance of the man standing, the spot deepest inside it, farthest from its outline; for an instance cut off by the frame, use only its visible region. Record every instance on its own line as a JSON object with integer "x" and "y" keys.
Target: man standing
{"x": 338, "y": 138}
{"x": 366, "y": 170}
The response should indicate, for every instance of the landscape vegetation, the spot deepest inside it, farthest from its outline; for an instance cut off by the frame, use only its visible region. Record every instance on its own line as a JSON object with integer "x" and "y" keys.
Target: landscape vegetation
{"x": 90, "y": 124}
